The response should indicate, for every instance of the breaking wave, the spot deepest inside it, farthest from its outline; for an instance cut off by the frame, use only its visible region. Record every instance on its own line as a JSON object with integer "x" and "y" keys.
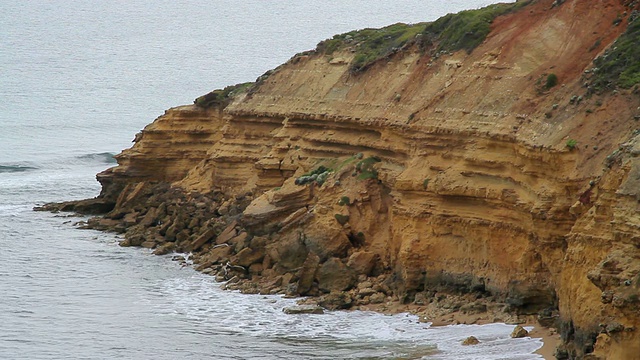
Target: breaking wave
{"x": 16, "y": 168}
{"x": 105, "y": 157}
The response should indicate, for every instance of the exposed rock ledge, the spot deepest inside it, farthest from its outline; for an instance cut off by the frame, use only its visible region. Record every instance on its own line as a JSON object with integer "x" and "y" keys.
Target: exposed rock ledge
{"x": 453, "y": 180}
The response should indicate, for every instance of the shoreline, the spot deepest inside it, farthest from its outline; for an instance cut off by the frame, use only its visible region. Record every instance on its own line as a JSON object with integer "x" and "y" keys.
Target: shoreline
{"x": 439, "y": 317}
{"x": 550, "y": 341}
{"x": 439, "y": 306}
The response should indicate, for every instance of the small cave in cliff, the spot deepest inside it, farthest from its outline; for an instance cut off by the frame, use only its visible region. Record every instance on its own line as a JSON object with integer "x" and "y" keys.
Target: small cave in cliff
{"x": 356, "y": 239}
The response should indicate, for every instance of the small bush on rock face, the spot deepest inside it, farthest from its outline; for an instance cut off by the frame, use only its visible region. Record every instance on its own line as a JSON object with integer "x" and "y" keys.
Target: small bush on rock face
{"x": 319, "y": 176}
{"x": 552, "y": 80}
{"x": 366, "y": 169}
{"x": 571, "y": 144}
{"x": 342, "y": 219}
{"x": 222, "y": 96}
{"x": 344, "y": 201}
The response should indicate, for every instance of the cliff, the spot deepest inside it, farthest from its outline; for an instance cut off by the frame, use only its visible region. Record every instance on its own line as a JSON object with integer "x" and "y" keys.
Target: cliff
{"x": 506, "y": 166}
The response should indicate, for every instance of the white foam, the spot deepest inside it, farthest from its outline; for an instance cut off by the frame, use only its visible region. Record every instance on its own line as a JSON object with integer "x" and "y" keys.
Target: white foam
{"x": 199, "y": 299}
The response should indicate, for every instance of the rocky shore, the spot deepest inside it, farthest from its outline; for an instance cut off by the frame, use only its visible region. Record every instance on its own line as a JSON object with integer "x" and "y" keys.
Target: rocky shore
{"x": 221, "y": 242}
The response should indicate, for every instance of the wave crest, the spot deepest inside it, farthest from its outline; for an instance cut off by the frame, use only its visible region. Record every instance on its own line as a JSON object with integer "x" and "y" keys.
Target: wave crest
{"x": 16, "y": 168}
{"x": 105, "y": 157}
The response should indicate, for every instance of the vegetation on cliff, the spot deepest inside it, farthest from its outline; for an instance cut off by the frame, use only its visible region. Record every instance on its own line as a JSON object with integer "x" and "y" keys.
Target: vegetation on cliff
{"x": 372, "y": 44}
{"x": 619, "y": 66}
{"x": 222, "y": 96}
{"x": 466, "y": 29}
{"x": 461, "y": 31}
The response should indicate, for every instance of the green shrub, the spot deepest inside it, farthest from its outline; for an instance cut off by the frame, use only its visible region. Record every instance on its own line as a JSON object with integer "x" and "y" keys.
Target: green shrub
{"x": 571, "y": 144}
{"x": 366, "y": 168}
{"x": 319, "y": 176}
{"x": 344, "y": 201}
{"x": 425, "y": 183}
{"x": 222, "y": 96}
{"x": 552, "y": 80}
{"x": 321, "y": 169}
{"x": 342, "y": 219}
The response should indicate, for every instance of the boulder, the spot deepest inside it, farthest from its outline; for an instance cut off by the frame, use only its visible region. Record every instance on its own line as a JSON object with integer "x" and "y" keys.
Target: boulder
{"x": 183, "y": 236}
{"x": 164, "y": 249}
{"x": 88, "y": 206}
{"x": 377, "y": 298}
{"x": 475, "y": 307}
{"x": 286, "y": 279}
{"x": 219, "y": 254}
{"x": 289, "y": 252}
{"x": 471, "y": 340}
{"x": 148, "y": 244}
{"x": 172, "y": 230}
{"x": 303, "y": 309}
{"x": 103, "y": 224}
{"x": 203, "y": 239}
{"x": 334, "y": 275}
{"x": 149, "y": 218}
{"x": 337, "y": 300}
{"x": 307, "y": 273}
{"x": 362, "y": 262}
{"x": 256, "y": 268}
{"x": 326, "y": 239}
{"x": 239, "y": 242}
{"x": 130, "y": 219}
{"x": 134, "y": 237}
{"x": 366, "y": 292}
{"x": 248, "y": 256}
{"x": 227, "y": 234}
{"x": 519, "y": 332}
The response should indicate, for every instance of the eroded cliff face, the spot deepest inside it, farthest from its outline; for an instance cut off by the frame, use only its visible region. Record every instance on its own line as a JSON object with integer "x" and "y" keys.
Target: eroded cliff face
{"x": 452, "y": 171}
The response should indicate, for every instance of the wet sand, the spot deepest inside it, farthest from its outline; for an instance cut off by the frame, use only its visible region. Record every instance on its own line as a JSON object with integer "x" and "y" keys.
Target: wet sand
{"x": 438, "y": 316}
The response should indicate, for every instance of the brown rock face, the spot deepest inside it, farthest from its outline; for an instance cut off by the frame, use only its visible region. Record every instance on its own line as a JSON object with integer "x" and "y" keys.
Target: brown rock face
{"x": 334, "y": 275}
{"x": 453, "y": 172}
{"x": 363, "y": 262}
{"x": 308, "y": 273}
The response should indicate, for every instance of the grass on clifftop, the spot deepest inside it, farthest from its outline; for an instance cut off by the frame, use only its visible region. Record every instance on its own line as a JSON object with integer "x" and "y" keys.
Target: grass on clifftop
{"x": 620, "y": 65}
{"x": 222, "y": 96}
{"x": 462, "y": 31}
{"x": 466, "y": 29}
{"x": 372, "y": 44}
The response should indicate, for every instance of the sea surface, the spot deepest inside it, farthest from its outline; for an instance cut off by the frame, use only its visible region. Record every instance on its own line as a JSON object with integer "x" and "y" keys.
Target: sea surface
{"x": 78, "y": 78}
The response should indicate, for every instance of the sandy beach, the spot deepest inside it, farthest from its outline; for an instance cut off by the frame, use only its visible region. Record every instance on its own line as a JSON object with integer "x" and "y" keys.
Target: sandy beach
{"x": 441, "y": 314}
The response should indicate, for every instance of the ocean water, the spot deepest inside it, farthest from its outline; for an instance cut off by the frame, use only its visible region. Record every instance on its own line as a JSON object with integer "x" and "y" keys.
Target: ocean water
{"x": 78, "y": 79}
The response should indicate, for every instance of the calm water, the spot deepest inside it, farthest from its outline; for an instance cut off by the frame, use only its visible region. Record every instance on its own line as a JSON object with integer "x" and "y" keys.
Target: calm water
{"x": 77, "y": 80}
